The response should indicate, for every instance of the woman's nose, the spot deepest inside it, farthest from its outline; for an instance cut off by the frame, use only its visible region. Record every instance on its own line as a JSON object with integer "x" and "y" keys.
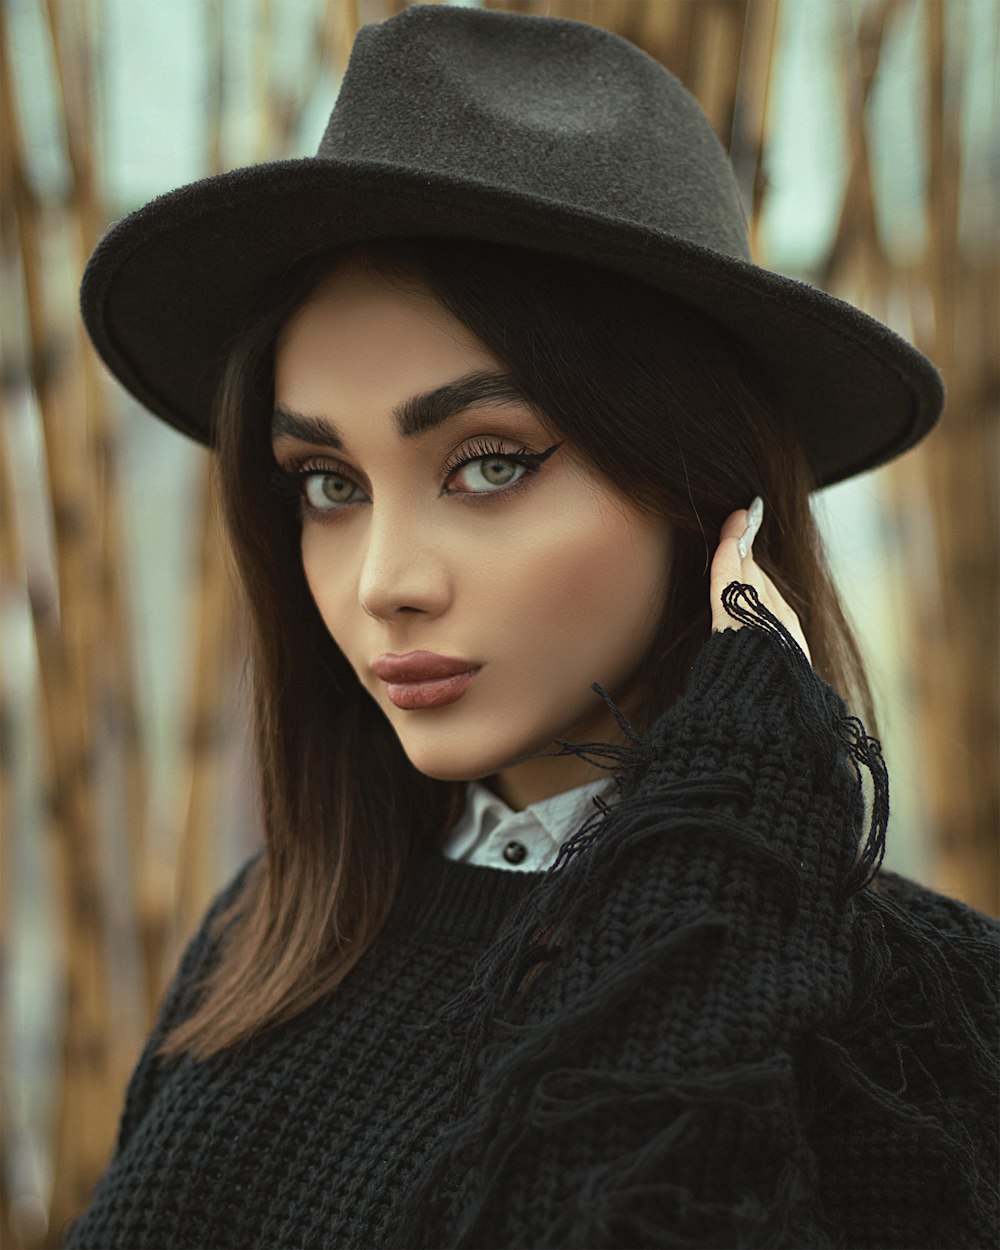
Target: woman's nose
{"x": 402, "y": 568}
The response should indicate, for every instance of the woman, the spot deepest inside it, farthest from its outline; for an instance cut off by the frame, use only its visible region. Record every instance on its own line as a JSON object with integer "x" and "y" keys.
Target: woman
{"x": 569, "y": 929}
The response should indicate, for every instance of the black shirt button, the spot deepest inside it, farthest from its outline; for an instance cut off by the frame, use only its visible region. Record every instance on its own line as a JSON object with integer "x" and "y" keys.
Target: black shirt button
{"x": 514, "y": 852}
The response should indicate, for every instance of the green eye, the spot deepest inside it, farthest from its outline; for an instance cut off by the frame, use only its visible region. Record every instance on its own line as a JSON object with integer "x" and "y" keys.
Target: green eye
{"x": 498, "y": 473}
{"x": 496, "y": 468}
{"x": 323, "y": 489}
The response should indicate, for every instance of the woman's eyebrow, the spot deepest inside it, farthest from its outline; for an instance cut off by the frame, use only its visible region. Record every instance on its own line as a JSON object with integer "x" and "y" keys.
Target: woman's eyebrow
{"x": 413, "y": 416}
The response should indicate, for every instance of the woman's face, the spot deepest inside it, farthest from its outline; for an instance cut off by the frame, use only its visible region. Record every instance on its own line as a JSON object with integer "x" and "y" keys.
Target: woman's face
{"x": 537, "y": 573}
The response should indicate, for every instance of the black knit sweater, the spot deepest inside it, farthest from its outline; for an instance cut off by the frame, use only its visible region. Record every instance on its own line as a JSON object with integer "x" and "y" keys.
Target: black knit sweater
{"x": 714, "y": 1022}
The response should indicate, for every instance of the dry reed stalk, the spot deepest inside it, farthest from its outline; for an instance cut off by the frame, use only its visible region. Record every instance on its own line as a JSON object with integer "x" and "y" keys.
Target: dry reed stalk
{"x": 856, "y": 264}
{"x": 662, "y": 24}
{"x": 970, "y": 858}
{"x": 68, "y": 637}
{"x": 389, "y": 7}
{"x": 260, "y": 60}
{"x": 10, "y": 585}
{"x": 12, "y": 1230}
{"x": 751, "y": 132}
{"x": 116, "y": 723}
{"x": 68, "y": 27}
{"x": 23, "y": 1210}
{"x": 719, "y": 27}
{"x": 215, "y": 96}
{"x": 322, "y": 53}
{"x": 341, "y": 21}
{"x": 72, "y": 81}
{"x": 10, "y": 1223}
{"x": 683, "y": 51}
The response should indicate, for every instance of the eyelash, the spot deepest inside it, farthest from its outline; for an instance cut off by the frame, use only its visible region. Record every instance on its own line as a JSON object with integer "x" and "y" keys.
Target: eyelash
{"x": 291, "y": 480}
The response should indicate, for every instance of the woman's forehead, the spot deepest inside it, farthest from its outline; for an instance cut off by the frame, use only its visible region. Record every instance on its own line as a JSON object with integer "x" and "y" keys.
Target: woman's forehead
{"x": 360, "y": 352}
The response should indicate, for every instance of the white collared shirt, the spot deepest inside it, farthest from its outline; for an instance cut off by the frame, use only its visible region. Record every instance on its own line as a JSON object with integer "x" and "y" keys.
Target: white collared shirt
{"x": 493, "y": 835}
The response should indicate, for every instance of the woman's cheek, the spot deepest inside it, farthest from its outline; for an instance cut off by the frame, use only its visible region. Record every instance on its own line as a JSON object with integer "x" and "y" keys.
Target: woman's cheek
{"x": 327, "y": 576}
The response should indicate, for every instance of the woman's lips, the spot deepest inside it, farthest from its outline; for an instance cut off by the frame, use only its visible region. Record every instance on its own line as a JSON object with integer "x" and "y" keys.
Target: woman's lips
{"x": 424, "y": 678}
{"x": 433, "y": 693}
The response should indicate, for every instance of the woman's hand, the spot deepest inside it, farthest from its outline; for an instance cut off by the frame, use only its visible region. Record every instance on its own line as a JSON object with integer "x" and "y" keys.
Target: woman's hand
{"x": 729, "y": 565}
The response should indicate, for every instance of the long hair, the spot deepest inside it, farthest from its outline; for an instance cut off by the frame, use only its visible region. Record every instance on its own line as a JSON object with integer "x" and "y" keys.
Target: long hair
{"x": 659, "y": 400}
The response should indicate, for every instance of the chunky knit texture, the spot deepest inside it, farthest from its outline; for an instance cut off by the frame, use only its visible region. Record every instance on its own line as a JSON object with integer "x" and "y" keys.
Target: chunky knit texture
{"x": 713, "y": 1022}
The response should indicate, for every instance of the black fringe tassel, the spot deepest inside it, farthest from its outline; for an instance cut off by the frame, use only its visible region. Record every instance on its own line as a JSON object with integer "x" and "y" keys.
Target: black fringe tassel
{"x": 863, "y": 751}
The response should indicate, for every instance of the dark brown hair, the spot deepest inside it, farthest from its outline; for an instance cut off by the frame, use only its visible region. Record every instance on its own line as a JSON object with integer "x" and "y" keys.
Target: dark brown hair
{"x": 658, "y": 399}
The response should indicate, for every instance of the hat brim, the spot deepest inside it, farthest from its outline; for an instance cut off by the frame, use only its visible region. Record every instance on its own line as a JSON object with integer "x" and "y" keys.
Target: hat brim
{"x": 169, "y": 287}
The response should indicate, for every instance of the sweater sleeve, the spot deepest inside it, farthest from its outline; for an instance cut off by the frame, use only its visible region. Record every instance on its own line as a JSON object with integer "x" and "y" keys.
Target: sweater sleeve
{"x": 652, "y": 1085}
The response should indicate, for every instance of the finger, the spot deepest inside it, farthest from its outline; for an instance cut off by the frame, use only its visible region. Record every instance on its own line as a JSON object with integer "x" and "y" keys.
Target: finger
{"x": 779, "y": 606}
{"x": 729, "y": 566}
{"x": 754, "y": 518}
{"x": 786, "y": 614}
{"x": 734, "y": 524}
{"x": 726, "y": 567}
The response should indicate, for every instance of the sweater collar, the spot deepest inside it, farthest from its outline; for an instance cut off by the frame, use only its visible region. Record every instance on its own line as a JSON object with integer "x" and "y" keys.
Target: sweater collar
{"x": 456, "y": 893}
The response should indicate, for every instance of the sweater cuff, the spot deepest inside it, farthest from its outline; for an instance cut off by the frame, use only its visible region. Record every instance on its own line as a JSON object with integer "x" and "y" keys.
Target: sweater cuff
{"x": 756, "y": 681}
{"x": 753, "y": 698}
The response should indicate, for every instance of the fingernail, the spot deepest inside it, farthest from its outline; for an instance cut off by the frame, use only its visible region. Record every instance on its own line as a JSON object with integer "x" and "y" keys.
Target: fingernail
{"x": 755, "y": 515}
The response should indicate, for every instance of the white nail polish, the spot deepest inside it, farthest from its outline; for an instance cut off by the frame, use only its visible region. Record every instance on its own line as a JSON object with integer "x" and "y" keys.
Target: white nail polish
{"x": 755, "y": 515}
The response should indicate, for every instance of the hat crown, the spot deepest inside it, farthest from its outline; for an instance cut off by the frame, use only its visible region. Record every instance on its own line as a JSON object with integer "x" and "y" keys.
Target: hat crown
{"x": 545, "y": 108}
{"x": 541, "y": 134}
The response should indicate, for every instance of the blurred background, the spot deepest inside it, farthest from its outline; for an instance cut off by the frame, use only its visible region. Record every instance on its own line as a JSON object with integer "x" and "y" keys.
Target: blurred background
{"x": 865, "y": 137}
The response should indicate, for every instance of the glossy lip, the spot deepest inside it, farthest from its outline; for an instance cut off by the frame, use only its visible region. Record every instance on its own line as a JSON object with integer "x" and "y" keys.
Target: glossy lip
{"x": 419, "y": 666}
{"x": 414, "y": 695}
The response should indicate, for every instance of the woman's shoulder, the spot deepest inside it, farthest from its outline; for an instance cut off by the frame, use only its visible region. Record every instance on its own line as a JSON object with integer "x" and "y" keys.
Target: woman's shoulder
{"x": 233, "y": 889}
{"x": 950, "y": 917}
{"x": 204, "y": 945}
{"x": 936, "y": 953}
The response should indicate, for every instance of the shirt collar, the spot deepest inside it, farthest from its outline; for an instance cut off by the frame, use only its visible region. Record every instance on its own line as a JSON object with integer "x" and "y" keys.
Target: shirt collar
{"x": 492, "y": 834}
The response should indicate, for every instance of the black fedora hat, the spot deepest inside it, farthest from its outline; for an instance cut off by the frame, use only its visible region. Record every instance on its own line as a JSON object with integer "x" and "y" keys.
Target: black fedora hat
{"x": 533, "y": 131}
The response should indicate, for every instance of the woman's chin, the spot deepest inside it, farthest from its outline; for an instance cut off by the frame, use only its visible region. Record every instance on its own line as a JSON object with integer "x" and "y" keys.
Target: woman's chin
{"x": 450, "y": 766}
{"x": 459, "y": 760}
